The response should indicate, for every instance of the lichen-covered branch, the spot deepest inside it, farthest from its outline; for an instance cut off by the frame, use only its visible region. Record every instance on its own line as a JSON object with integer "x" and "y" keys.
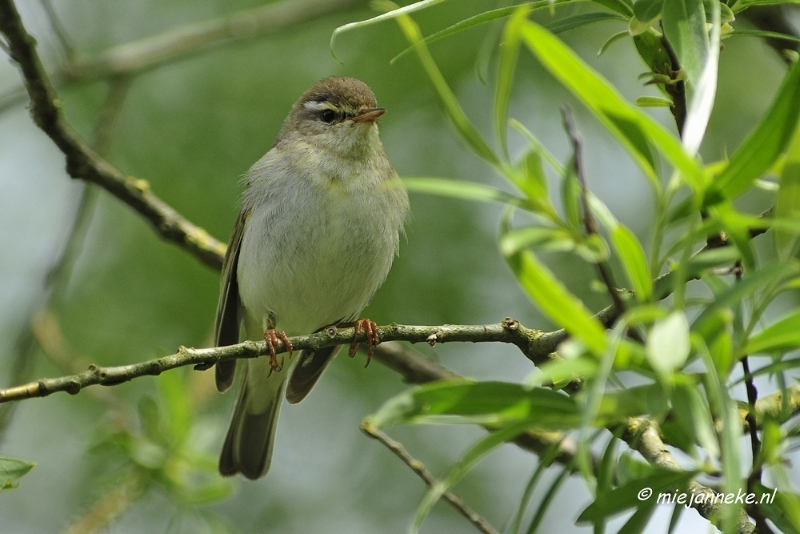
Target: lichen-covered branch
{"x": 535, "y": 344}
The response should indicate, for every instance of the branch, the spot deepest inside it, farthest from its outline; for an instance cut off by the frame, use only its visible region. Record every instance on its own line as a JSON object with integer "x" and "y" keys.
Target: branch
{"x": 603, "y": 267}
{"x": 184, "y": 41}
{"x": 418, "y": 468}
{"x": 535, "y": 344}
{"x": 641, "y": 435}
{"x": 84, "y": 163}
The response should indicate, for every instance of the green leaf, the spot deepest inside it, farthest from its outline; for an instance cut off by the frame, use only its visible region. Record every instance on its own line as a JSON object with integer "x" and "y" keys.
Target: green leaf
{"x": 749, "y": 284}
{"x": 764, "y": 144}
{"x": 484, "y": 18}
{"x": 692, "y": 415}
{"x": 640, "y": 518}
{"x": 411, "y": 8}
{"x": 766, "y": 35}
{"x": 540, "y": 238}
{"x": 630, "y": 126}
{"x": 784, "y": 510}
{"x": 461, "y": 190}
{"x": 741, "y": 5}
{"x": 11, "y": 470}
{"x": 787, "y": 204}
{"x": 638, "y": 400}
{"x": 684, "y": 25}
{"x": 648, "y": 11}
{"x": 489, "y": 403}
{"x": 703, "y": 83}
{"x": 556, "y": 302}
{"x": 629, "y": 495}
{"x": 509, "y": 52}
{"x": 583, "y": 19}
{"x": 653, "y": 102}
{"x": 623, "y": 7}
{"x": 611, "y": 40}
{"x": 538, "y": 147}
{"x": 634, "y": 262}
{"x": 178, "y": 410}
{"x": 451, "y": 106}
{"x": 783, "y": 335}
{"x": 668, "y": 343}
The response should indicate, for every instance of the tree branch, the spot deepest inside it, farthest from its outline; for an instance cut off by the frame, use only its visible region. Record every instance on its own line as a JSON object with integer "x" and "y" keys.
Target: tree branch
{"x": 84, "y": 163}
{"x": 189, "y": 39}
{"x": 538, "y": 346}
{"x": 415, "y": 465}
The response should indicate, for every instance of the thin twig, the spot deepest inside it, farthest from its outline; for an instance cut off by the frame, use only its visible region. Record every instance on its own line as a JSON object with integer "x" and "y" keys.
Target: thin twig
{"x": 603, "y": 267}
{"x": 415, "y": 465}
{"x": 189, "y": 39}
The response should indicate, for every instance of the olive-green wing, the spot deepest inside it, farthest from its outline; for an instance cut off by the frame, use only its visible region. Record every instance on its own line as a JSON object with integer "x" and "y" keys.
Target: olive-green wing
{"x": 229, "y": 307}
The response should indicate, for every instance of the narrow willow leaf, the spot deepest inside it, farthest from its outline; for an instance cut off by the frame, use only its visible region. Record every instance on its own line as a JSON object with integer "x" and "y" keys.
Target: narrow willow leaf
{"x": 405, "y": 10}
{"x": 462, "y": 190}
{"x": 484, "y": 18}
{"x": 11, "y": 470}
{"x": 627, "y": 496}
{"x": 630, "y": 402}
{"x": 740, "y": 5}
{"x": 556, "y": 302}
{"x": 787, "y": 204}
{"x": 509, "y": 51}
{"x": 684, "y": 25}
{"x": 764, "y": 144}
{"x": 464, "y": 401}
{"x": 538, "y": 238}
{"x": 583, "y": 19}
{"x": 704, "y": 85}
{"x": 767, "y": 274}
{"x": 611, "y": 40}
{"x": 766, "y": 35}
{"x": 691, "y": 412}
{"x": 653, "y": 102}
{"x": 630, "y": 126}
{"x": 451, "y": 106}
{"x": 549, "y": 495}
{"x": 648, "y": 11}
{"x": 782, "y": 335}
{"x": 668, "y": 343}
{"x": 640, "y": 518}
{"x": 634, "y": 261}
{"x": 538, "y": 147}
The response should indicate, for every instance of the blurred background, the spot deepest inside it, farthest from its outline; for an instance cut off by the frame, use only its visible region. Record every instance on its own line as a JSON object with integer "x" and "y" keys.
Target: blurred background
{"x": 145, "y": 452}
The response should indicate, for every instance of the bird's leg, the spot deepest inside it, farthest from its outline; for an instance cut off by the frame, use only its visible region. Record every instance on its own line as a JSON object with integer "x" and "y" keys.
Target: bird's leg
{"x": 373, "y": 336}
{"x": 272, "y": 337}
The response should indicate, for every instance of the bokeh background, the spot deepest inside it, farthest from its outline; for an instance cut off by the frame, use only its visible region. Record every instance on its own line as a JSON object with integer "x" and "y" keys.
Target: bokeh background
{"x": 191, "y": 128}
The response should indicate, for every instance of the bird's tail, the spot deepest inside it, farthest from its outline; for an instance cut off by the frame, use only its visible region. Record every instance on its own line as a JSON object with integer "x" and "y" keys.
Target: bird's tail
{"x": 249, "y": 443}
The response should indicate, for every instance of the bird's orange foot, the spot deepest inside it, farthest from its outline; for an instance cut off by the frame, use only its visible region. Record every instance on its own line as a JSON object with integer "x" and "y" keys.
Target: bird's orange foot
{"x": 272, "y": 337}
{"x": 373, "y": 337}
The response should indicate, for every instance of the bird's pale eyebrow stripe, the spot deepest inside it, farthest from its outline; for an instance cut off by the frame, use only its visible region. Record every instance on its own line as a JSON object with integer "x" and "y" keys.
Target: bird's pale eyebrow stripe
{"x": 313, "y": 105}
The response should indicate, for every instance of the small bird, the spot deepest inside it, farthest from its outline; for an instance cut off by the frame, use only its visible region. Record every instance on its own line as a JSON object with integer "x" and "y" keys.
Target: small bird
{"x": 318, "y": 229}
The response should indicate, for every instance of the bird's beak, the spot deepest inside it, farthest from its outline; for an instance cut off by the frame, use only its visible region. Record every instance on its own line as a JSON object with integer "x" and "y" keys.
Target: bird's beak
{"x": 369, "y": 115}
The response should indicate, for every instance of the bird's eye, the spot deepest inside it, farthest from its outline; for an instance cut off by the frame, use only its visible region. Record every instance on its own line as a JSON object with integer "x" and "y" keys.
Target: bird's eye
{"x": 328, "y": 116}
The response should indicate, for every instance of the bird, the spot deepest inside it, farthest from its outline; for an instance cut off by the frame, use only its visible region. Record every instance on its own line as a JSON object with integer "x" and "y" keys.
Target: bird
{"x": 319, "y": 226}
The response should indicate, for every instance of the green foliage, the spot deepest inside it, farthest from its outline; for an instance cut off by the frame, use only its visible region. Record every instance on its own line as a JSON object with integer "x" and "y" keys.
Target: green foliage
{"x": 11, "y": 470}
{"x": 703, "y": 241}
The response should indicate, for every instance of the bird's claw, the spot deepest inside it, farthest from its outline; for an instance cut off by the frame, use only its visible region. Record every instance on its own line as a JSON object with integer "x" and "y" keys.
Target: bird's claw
{"x": 272, "y": 337}
{"x": 373, "y": 337}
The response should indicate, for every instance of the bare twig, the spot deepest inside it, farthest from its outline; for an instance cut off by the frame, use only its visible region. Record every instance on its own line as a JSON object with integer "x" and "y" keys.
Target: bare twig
{"x": 184, "y": 41}
{"x": 84, "y": 163}
{"x": 415, "y": 465}
{"x": 603, "y": 267}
